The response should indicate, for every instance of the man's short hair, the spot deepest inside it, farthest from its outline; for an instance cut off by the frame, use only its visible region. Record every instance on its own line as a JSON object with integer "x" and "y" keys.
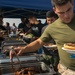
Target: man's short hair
{"x": 51, "y": 13}
{"x": 60, "y": 2}
{"x": 30, "y": 16}
{"x": 7, "y": 23}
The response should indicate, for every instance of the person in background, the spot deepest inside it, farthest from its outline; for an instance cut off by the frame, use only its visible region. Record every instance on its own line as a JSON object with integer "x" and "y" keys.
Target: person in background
{"x": 1, "y": 23}
{"x": 8, "y": 28}
{"x": 27, "y": 26}
{"x": 14, "y": 28}
{"x": 62, "y": 31}
{"x": 50, "y": 18}
{"x": 2, "y": 28}
{"x": 36, "y": 26}
{"x": 22, "y": 24}
{"x": 54, "y": 59}
{"x": 26, "y": 36}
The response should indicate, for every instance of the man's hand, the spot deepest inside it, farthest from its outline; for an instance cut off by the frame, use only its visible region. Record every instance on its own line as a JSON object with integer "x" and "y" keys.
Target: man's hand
{"x": 19, "y": 50}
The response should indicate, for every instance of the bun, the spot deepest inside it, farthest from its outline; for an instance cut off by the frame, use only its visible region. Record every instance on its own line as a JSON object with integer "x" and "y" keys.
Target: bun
{"x": 70, "y": 46}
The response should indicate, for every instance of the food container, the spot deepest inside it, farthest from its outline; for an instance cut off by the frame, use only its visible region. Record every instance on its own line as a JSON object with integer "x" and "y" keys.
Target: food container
{"x": 37, "y": 68}
{"x": 6, "y": 65}
{"x": 13, "y": 43}
{"x": 32, "y": 61}
{"x": 5, "y": 46}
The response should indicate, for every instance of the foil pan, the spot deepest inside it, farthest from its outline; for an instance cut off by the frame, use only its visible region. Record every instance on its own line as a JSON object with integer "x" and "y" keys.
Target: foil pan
{"x": 13, "y": 41}
{"x": 6, "y": 60}
{"x": 42, "y": 69}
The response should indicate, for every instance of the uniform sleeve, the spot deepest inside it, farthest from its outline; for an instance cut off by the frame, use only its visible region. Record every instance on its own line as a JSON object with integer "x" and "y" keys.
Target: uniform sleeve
{"x": 46, "y": 37}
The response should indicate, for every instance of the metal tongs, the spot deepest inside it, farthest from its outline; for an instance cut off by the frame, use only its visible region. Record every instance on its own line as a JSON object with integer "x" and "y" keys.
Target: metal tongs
{"x": 12, "y": 49}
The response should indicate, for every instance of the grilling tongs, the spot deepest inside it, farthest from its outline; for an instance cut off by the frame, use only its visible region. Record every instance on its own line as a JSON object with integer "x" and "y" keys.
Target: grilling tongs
{"x": 12, "y": 49}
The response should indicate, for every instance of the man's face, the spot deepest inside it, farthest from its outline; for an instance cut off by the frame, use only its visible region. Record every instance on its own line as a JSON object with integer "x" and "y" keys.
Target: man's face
{"x": 65, "y": 12}
{"x": 50, "y": 20}
{"x": 32, "y": 20}
{"x": 22, "y": 20}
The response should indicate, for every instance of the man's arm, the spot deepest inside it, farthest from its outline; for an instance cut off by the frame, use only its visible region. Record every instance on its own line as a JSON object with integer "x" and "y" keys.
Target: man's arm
{"x": 30, "y": 47}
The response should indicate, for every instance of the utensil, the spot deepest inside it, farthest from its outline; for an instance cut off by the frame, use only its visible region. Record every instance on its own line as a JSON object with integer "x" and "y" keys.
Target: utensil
{"x": 12, "y": 49}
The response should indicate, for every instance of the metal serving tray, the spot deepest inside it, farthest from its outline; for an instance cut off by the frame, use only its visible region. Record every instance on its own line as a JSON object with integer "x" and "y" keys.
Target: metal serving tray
{"x": 45, "y": 70}
{"x": 13, "y": 43}
{"x": 6, "y": 65}
{"x": 23, "y": 59}
{"x": 7, "y": 43}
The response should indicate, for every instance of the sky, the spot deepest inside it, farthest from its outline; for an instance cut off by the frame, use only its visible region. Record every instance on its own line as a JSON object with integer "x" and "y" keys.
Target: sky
{"x": 16, "y": 21}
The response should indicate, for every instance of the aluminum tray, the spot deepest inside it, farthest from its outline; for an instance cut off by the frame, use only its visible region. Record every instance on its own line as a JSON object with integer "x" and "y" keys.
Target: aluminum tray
{"x": 6, "y": 60}
{"x": 13, "y": 44}
{"x": 13, "y": 41}
{"x": 10, "y": 40}
{"x": 6, "y": 44}
{"x": 44, "y": 67}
